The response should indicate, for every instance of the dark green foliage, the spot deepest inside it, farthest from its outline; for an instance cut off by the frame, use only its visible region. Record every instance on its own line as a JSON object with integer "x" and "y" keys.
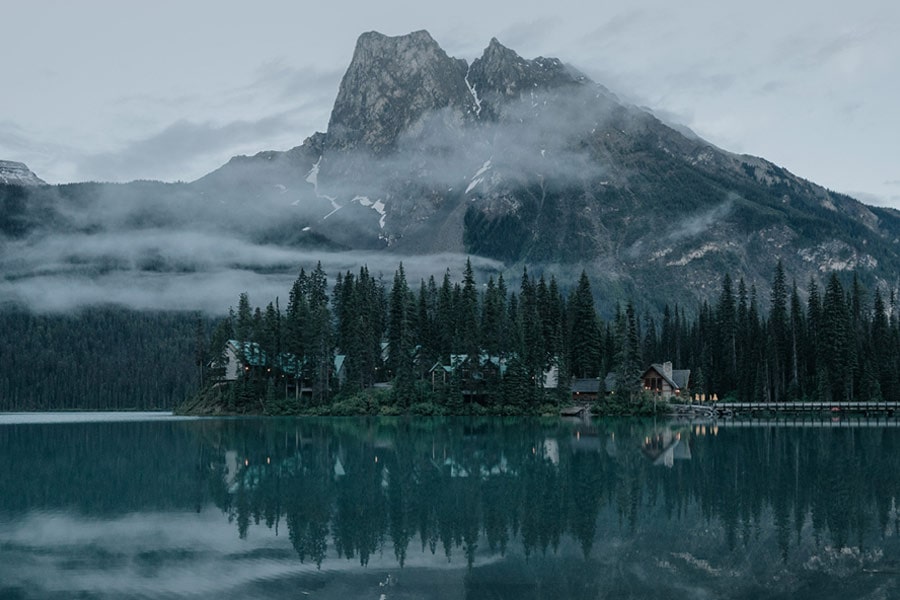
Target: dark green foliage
{"x": 453, "y": 349}
{"x": 103, "y": 358}
{"x": 584, "y": 330}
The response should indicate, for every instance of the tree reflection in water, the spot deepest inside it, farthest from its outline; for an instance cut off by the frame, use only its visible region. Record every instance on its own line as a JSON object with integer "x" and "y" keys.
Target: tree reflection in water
{"x": 512, "y": 508}
{"x": 459, "y": 485}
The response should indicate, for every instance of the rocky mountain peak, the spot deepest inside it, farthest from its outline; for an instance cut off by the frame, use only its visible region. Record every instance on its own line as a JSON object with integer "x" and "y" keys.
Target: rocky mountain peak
{"x": 501, "y": 74}
{"x": 391, "y": 83}
{"x": 17, "y": 173}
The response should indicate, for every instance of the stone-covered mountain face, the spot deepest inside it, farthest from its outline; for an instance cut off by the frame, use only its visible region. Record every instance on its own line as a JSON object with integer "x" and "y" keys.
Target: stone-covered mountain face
{"x": 391, "y": 85}
{"x": 530, "y": 162}
{"x": 527, "y": 162}
{"x": 16, "y": 173}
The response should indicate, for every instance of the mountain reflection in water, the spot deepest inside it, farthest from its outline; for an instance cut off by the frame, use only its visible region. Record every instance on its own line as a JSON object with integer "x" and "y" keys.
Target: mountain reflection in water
{"x": 455, "y": 508}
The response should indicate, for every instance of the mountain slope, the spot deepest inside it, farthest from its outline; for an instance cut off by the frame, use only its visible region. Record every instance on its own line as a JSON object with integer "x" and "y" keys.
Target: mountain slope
{"x": 522, "y": 161}
{"x": 541, "y": 165}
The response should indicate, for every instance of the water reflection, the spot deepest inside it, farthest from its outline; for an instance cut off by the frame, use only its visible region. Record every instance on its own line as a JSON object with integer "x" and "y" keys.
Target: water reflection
{"x": 516, "y": 508}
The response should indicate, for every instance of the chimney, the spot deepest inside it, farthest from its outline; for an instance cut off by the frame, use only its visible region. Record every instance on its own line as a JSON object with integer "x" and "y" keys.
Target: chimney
{"x": 667, "y": 369}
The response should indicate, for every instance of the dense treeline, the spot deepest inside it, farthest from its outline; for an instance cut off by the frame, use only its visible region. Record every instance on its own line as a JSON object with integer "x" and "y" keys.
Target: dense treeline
{"x": 840, "y": 344}
{"x": 843, "y": 344}
{"x": 105, "y": 358}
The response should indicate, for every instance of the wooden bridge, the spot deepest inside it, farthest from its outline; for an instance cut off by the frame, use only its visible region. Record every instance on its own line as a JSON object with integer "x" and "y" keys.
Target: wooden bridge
{"x": 724, "y": 409}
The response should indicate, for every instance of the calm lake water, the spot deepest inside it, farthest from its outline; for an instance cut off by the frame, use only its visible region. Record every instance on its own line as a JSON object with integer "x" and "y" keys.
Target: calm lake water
{"x": 387, "y": 509}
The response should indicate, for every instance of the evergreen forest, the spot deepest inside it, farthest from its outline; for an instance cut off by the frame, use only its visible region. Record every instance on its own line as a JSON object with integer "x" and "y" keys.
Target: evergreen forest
{"x": 454, "y": 347}
{"x": 97, "y": 359}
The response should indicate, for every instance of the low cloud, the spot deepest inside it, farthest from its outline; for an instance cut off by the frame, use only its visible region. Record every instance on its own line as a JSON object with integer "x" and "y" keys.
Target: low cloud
{"x": 699, "y": 223}
{"x": 182, "y": 142}
{"x": 546, "y": 134}
{"x": 181, "y": 270}
{"x": 188, "y": 551}
{"x": 149, "y": 245}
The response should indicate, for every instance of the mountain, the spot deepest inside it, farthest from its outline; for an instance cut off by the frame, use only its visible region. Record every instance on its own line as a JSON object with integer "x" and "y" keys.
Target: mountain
{"x": 520, "y": 161}
{"x": 531, "y": 162}
{"x": 16, "y": 173}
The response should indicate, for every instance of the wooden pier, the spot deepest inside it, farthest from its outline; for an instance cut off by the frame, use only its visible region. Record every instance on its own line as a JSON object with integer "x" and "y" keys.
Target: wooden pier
{"x": 725, "y": 409}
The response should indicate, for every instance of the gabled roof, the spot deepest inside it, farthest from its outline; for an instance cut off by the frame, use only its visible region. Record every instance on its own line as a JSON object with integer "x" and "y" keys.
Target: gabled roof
{"x": 682, "y": 377}
{"x": 251, "y": 354}
{"x": 610, "y": 382}
{"x": 678, "y": 380}
{"x": 458, "y": 360}
{"x": 586, "y": 386}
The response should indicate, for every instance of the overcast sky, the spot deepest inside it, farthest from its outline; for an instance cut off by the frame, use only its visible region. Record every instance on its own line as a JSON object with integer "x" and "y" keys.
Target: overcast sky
{"x": 116, "y": 90}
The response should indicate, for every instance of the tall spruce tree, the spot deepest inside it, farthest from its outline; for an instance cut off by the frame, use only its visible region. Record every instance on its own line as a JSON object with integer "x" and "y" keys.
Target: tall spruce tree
{"x": 400, "y": 338}
{"x": 725, "y": 340}
{"x": 835, "y": 347}
{"x": 584, "y": 331}
{"x": 778, "y": 359}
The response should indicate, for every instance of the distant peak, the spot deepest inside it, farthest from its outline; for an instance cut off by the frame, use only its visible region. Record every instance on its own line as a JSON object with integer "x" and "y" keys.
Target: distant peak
{"x": 496, "y": 50}
{"x": 390, "y": 84}
{"x": 17, "y": 173}
{"x": 500, "y": 74}
{"x": 378, "y": 39}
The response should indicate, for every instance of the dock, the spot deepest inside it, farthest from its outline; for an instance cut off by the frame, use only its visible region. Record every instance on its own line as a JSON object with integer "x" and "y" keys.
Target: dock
{"x": 726, "y": 409}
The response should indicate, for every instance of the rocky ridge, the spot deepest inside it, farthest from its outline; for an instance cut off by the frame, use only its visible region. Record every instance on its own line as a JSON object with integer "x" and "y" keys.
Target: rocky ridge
{"x": 529, "y": 162}
{"x": 16, "y": 173}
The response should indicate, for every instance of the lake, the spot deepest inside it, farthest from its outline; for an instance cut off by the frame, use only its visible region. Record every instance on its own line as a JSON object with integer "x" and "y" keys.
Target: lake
{"x": 146, "y": 506}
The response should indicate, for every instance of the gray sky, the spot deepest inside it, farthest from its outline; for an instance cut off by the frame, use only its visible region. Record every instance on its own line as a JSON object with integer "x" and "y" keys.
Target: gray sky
{"x": 117, "y": 90}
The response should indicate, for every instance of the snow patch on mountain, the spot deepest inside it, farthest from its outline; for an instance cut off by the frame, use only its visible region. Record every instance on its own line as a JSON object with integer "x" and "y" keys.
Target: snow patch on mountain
{"x": 474, "y": 93}
{"x": 313, "y": 178}
{"x": 478, "y": 177}
{"x": 698, "y": 253}
{"x": 377, "y": 206}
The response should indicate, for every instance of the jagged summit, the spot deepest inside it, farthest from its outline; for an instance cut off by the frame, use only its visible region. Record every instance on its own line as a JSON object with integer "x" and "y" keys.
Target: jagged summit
{"x": 500, "y": 74}
{"x": 394, "y": 81}
{"x": 525, "y": 161}
{"x": 390, "y": 84}
{"x": 17, "y": 173}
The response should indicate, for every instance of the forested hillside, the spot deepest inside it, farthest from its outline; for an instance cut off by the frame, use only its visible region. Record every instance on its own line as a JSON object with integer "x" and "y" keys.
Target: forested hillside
{"x": 103, "y": 358}
{"x": 455, "y": 345}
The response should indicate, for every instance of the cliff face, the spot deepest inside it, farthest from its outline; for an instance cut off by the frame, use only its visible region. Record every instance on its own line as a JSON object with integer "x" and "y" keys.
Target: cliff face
{"x": 16, "y": 173}
{"x": 530, "y": 162}
{"x": 524, "y": 161}
{"x": 392, "y": 83}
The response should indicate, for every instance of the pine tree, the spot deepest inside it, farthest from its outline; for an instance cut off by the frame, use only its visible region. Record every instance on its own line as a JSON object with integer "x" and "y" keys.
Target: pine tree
{"x": 400, "y": 338}
{"x": 813, "y": 364}
{"x": 797, "y": 346}
{"x": 243, "y": 326}
{"x": 725, "y": 339}
{"x": 319, "y": 335}
{"x": 584, "y": 331}
{"x": 467, "y": 312}
{"x": 836, "y": 362}
{"x": 778, "y": 355}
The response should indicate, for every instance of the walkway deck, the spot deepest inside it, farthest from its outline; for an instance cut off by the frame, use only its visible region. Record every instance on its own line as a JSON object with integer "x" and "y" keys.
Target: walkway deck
{"x": 727, "y": 408}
